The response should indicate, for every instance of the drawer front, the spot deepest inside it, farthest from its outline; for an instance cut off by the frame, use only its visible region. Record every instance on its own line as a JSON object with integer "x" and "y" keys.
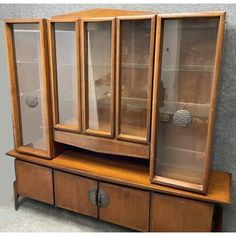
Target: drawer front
{"x": 34, "y": 181}
{"x": 127, "y": 207}
{"x": 72, "y": 193}
{"x": 174, "y": 214}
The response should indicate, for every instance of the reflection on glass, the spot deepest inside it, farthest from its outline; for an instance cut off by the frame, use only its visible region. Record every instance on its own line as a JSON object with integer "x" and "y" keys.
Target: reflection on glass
{"x": 135, "y": 51}
{"x": 99, "y": 75}
{"x": 28, "y": 64}
{"x": 65, "y": 41}
{"x": 188, "y": 53}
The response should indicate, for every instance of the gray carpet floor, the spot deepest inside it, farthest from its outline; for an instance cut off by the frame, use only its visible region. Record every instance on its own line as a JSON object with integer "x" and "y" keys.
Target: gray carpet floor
{"x": 34, "y": 216}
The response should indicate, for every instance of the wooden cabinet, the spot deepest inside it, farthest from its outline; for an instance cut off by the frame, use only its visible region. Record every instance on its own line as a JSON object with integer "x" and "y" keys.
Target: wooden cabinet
{"x": 72, "y": 193}
{"x": 113, "y": 93}
{"x": 118, "y": 192}
{"x": 127, "y": 207}
{"x": 122, "y": 84}
{"x": 174, "y": 214}
{"x": 188, "y": 54}
{"x": 34, "y": 181}
{"x": 28, "y": 70}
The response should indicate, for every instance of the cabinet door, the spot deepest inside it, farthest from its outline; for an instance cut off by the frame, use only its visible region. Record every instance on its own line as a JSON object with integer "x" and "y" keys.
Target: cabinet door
{"x": 173, "y": 214}
{"x": 28, "y": 70}
{"x": 65, "y": 74}
{"x": 34, "y": 181}
{"x": 73, "y": 193}
{"x": 124, "y": 206}
{"x": 135, "y": 45}
{"x": 188, "y": 54}
{"x": 98, "y": 37}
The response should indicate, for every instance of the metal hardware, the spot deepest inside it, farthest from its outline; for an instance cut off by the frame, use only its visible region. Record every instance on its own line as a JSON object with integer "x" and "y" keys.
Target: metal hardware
{"x": 103, "y": 198}
{"x": 166, "y": 117}
{"x": 32, "y": 101}
{"x": 182, "y": 118}
{"x": 92, "y": 195}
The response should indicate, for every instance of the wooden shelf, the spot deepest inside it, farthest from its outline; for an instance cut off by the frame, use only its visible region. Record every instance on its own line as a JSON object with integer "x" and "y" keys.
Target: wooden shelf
{"x": 126, "y": 172}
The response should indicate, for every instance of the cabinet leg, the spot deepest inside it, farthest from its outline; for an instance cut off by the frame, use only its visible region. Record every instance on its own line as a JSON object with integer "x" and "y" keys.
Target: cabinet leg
{"x": 16, "y": 196}
{"x": 218, "y": 218}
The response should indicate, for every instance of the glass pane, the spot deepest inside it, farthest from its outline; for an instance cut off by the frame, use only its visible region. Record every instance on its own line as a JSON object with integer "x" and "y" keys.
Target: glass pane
{"x": 28, "y": 63}
{"x": 99, "y": 75}
{"x": 134, "y": 69}
{"x": 65, "y": 41}
{"x": 188, "y": 54}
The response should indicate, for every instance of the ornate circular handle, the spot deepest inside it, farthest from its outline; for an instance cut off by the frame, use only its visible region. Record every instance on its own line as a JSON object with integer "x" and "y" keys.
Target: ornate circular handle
{"x": 32, "y": 101}
{"x": 103, "y": 198}
{"x": 182, "y": 118}
{"x": 92, "y": 195}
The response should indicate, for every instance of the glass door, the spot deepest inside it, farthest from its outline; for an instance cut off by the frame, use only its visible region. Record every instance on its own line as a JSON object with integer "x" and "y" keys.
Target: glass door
{"x": 98, "y": 37}
{"x": 189, "y": 49}
{"x": 26, "y": 43}
{"x": 65, "y": 74}
{"x": 135, "y": 50}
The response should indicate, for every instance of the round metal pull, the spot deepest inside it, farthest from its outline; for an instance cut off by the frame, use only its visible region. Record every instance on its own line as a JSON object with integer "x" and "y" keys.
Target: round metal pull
{"x": 103, "y": 199}
{"x": 182, "y": 118}
{"x": 92, "y": 195}
{"x": 32, "y": 101}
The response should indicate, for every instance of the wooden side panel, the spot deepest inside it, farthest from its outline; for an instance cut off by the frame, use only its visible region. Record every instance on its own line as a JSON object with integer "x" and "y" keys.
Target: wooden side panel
{"x": 173, "y": 214}
{"x": 128, "y": 207}
{"x": 71, "y": 192}
{"x": 34, "y": 181}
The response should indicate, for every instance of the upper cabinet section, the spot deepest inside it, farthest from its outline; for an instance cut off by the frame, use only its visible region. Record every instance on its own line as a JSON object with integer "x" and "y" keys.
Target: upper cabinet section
{"x": 65, "y": 74}
{"x": 188, "y": 52}
{"x": 135, "y": 50}
{"x": 98, "y": 50}
{"x": 27, "y": 56}
{"x": 123, "y": 82}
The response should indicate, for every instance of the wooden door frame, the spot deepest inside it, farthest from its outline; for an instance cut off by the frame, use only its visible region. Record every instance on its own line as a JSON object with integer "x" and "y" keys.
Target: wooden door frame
{"x": 126, "y": 137}
{"x": 16, "y": 113}
{"x": 202, "y": 188}
{"x": 86, "y": 129}
{"x": 53, "y": 66}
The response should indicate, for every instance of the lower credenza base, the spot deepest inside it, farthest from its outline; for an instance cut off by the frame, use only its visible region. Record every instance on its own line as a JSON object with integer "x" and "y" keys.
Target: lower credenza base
{"x": 126, "y": 206}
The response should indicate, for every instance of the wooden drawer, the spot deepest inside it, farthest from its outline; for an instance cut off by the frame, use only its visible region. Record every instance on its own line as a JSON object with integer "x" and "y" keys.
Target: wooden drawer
{"x": 71, "y": 192}
{"x": 34, "y": 181}
{"x": 128, "y": 207}
{"x": 174, "y": 214}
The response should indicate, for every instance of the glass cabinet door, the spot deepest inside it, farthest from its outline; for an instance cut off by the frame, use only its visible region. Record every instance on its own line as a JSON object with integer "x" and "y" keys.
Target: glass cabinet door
{"x": 98, "y": 76}
{"x": 135, "y": 44}
{"x": 29, "y": 86}
{"x": 65, "y": 65}
{"x": 184, "y": 101}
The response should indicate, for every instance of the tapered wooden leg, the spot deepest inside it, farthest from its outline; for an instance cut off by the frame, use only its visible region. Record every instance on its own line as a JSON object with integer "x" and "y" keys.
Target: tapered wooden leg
{"x": 16, "y": 196}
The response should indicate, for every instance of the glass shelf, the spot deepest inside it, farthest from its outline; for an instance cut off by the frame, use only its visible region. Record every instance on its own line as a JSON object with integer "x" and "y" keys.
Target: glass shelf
{"x": 193, "y": 68}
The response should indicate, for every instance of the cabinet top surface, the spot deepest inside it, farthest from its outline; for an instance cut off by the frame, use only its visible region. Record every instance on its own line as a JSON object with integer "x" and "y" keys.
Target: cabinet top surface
{"x": 102, "y": 12}
{"x": 129, "y": 173}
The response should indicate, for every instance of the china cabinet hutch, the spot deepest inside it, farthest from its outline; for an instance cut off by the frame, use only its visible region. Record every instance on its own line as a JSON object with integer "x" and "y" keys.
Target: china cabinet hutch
{"x": 113, "y": 116}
